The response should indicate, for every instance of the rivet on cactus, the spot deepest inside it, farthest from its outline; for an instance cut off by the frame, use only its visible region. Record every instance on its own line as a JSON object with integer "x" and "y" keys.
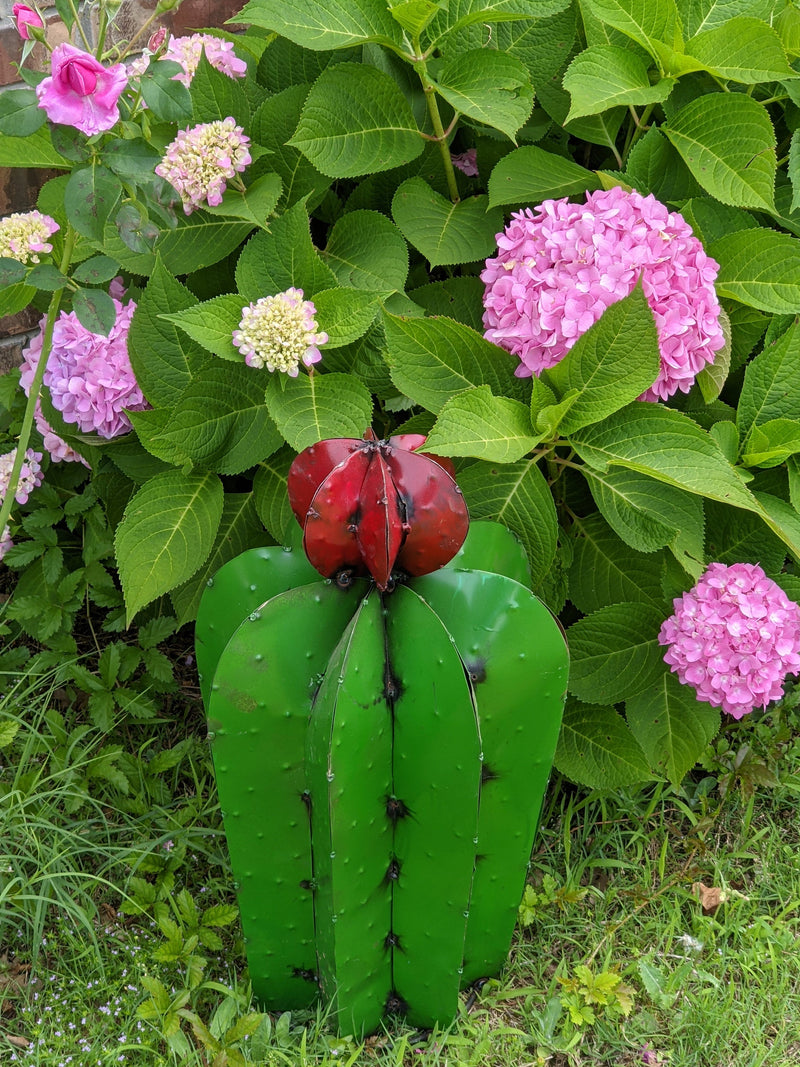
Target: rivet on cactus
{"x": 382, "y": 744}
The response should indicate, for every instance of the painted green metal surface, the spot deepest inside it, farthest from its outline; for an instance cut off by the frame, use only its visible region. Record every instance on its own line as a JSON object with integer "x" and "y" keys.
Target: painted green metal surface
{"x": 516, "y": 658}
{"x": 238, "y": 588}
{"x": 492, "y": 547}
{"x": 437, "y": 776}
{"x": 258, "y": 711}
{"x": 349, "y": 767}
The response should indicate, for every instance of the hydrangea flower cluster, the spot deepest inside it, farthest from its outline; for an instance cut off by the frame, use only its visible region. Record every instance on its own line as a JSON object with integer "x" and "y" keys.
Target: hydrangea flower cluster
{"x": 89, "y": 376}
{"x": 279, "y": 333}
{"x": 30, "y": 477}
{"x": 559, "y": 267}
{"x": 200, "y": 161}
{"x": 25, "y": 234}
{"x": 734, "y": 637}
{"x": 219, "y": 53}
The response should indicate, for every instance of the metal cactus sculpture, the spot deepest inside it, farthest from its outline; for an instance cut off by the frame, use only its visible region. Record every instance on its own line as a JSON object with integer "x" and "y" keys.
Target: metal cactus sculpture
{"x": 382, "y": 736}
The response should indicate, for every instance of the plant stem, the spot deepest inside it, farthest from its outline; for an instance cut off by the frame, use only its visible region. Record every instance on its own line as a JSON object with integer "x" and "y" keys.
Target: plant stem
{"x": 78, "y": 23}
{"x": 640, "y": 127}
{"x": 145, "y": 25}
{"x": 436, "y": 121}
{"x": 36, "y": 385}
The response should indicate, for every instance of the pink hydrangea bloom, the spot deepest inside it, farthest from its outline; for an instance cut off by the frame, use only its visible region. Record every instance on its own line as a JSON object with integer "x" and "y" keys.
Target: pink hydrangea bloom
{"x": 25, "y": 17}
{"x": 466, "y": 162}
{"x": 30, "y": 477}
{"x": 734, "y": 637}
{"x": 219, "y": 53}
{"x": 80, "y": 91}
{"x": 279, "y": 333}
{"x": 89, "y": 376}
{"x": 559, "y": 267}
{"x": 25, "y": 234}
{"x": 5, "y": 541}
{"x": 200, "y": 161}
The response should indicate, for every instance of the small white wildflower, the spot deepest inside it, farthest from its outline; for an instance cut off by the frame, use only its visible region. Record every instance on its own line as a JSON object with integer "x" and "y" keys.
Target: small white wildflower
{"x": 280, "y": 332}
{"x": 24, "y": 234}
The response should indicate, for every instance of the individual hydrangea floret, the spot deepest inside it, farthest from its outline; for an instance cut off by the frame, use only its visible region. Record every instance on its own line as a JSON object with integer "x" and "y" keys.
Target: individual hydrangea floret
{"x": 559, "y": 267}
{"x": 30, "y": 477}
{"x": 80, "y": 91}
{"x": 279, "y": 333}
{"x": 219, "y": 53}
{"x": 734, "y": 637}
{"x": 466, "y": 162}
{"x": 89, "y": 376}
{"x": 201, "y": 160}
{"x": 25, "y": 234}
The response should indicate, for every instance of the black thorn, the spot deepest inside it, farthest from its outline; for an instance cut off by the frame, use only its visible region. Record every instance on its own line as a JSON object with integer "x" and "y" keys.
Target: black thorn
{"x": 476, "y": 670}
{"x": 395, "y": 1005}
{"x": 487, "y": 774}
{"x": 393, "y": 870}
{"x": 391, "y": 686}
{"x": 306, "y": 974}
{"x": 307, "y": 884}
{"x": 305, "y": 796}
{"x": 479, "y": 856}
{"x": 396, "y": 809}
{"x": 392, "y": 941}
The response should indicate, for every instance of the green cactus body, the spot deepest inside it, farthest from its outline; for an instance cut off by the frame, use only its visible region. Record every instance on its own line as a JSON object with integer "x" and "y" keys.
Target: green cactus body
{"x": 391, "y": 751}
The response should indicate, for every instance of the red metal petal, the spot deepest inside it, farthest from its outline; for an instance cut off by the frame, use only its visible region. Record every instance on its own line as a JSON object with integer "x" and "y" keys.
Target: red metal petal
{"x": 413, "y": 442}
{"x": 310, "y": 469}
{"x": 380, "y": 526}
{"x": 436, "y": 513}
{"x": 332, "y": 519}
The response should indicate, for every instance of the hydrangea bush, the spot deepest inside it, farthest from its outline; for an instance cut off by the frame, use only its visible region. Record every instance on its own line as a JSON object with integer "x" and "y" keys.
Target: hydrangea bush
{"x": 560, "y": 239}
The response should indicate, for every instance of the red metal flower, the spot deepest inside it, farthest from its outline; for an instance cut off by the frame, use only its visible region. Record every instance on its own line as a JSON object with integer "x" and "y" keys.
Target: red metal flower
{"x": 367, "y": 506}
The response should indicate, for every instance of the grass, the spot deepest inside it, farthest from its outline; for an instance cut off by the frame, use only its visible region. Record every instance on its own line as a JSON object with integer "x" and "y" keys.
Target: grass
{"x": 108, "y": 953}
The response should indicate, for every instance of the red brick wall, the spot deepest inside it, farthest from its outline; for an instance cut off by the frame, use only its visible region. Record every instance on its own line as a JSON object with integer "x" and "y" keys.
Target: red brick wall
{"x": 19, "y": 188}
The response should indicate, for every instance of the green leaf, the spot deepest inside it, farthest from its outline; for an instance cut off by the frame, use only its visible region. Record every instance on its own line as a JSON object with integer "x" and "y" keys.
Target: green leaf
{"x": 476, "y": 423}
{"x": 713, "y": 376}
{"x": 325, "y": 24}
{"x": 168, "y": 99}
{"x": 356, "y": 121}
{"x": 655, "y": 167}
{"x": 614, "y": 652}
{"x": 488, "y": 86}
{"x": 131, "y": 160}
{"x": 672, "y": 726}
{"x": 610, "y": 365}
{"x": 431, "y": 360}
{"x": 211, "y": 324}
{"x": 596, "y": 748}
{"x": 771, "y": 443}
{"x": 529, "y": 175}
{"x": 606, "y": 571}
{"x": 648, "y": 514}
{"x": 163, "y": 358}
{"x": 197, "y": 241}
{"x": 269, "y": 492}
{"x": 11, "y": 271}
{"x": 605, "y": 76}
{"x": 273, "y": 125}
{"x": 46, "y": 276}
{"x": 735, "y": 536}
{"x": 666, "y": 445}
{"x": 35, "y": 150}
{"x": 366, "y": 251}
{"x": 699, "y": 15}
{"x": 442, "y": 231}
{"x": 793, "y": 169}
{"x": 728, "y": 143}
{"x": 743, "y": 50}
{"x": 20, "y": 114}
{"x": 166, "y": 534}
{"x": 239, "y": 529}
{"x": 517, "y": 495}
{"x": 95, "y": 310}
{"x": 760, "y": 268}
{"x": 455, "y": 298}
{"x": 771, "y": 388}
{"x": 14, "y": 298}
{"x": 310, "y": 408}
{"x": 91, "y": 196}
{"x": 345, "y": 314}
{"x": 221, "y": 422}
{"x": 284, "y": 257}
{"x": 96, "y": 270}
{"x": 256, "y": 204}
{"x": 645, "y": 21}
{"x": 414, "y": 15}
{"x": 215, "y": 96}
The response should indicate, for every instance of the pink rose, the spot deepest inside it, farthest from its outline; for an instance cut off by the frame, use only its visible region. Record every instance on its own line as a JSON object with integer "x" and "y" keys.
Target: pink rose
{"x": 25, "y": 17}
{"x": 80, "y": 91}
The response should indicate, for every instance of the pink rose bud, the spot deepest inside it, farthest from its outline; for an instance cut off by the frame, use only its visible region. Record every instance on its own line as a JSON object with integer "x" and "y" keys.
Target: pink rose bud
{"x": 157, "y": 40}
{"x": 26, "y": 19}
{"x": 80, "y": 91}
